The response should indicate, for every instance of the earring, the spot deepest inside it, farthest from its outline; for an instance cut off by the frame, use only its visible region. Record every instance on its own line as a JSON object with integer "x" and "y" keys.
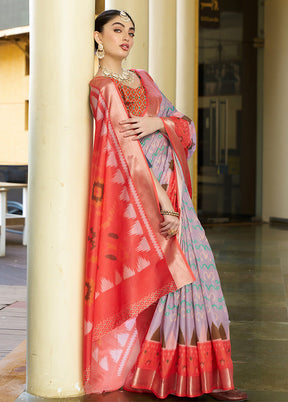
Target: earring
{"x": 100, "y": 51}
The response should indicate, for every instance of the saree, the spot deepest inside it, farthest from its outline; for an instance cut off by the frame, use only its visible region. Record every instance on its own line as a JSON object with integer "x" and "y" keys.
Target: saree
{"x": 155, "y": 317}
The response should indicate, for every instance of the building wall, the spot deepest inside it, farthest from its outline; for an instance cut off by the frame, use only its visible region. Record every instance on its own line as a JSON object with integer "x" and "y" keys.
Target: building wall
{"x": 275, "y": 114}
{"x": 13, "y": 108}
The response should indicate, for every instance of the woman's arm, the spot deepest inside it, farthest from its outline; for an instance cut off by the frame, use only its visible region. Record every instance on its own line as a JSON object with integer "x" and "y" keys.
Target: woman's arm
{"x": 170, "y": 224}
{"x": 139, "y": 127}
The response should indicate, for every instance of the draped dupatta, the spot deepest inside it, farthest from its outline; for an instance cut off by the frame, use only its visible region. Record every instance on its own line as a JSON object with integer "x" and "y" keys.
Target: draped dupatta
{"x": 129, "y": 265}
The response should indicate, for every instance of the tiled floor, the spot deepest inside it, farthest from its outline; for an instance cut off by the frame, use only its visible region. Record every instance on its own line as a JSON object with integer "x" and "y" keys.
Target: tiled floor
{"x": 12, "y": 295}
{"x": 253, "y": 265}
{"x": 13, "y": 265}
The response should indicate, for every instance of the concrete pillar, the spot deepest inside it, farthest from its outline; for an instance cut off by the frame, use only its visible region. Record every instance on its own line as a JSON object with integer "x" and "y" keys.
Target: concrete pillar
{"x": 187, "y": 70}
{"x": 275, "y": 116}
{"x": 62, "y": 56}
{"x": 138, "y": 57}
{"x": 162, "y": 45}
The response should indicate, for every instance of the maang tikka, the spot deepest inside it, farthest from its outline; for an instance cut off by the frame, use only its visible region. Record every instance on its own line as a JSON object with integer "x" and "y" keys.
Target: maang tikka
{"x": 124, "y": 17}
{"x": 100, "y": 51}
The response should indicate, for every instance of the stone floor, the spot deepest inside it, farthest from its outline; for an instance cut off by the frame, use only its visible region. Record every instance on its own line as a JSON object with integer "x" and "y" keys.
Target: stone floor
{"x": 253, "y": 265}
{"x": 12, "y": 295}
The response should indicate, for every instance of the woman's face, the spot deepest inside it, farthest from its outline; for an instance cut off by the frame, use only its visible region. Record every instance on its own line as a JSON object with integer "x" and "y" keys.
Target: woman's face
{"x": 117, "y": 38}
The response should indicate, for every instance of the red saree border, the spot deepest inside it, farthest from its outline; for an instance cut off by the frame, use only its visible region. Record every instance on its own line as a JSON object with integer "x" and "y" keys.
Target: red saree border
{"x": 179, "y": 150}
{"x": 179, "y": 385}
{"x": 187, "y": 371}
{"x": 132, "y": 310}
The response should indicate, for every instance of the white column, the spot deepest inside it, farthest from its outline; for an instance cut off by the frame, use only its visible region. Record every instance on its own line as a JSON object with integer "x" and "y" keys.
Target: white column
{"x": 3, "y": 203}
{"x": 62, "y": 56}
{"x": 275, "y": 116}
{"x": 187, "y": 57}
{"x": 187, "y": 70}
{"x": 24, "y": 214}
{"x": 162, "y": 45}
{"x": 138, "y": 10}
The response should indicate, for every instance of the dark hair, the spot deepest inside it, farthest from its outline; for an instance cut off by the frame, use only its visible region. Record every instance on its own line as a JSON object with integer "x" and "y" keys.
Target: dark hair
{"x": 105, "y": 17}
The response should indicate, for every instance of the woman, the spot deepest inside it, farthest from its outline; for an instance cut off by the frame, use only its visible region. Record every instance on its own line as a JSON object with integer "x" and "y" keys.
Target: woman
{"x": 155, "y": 316}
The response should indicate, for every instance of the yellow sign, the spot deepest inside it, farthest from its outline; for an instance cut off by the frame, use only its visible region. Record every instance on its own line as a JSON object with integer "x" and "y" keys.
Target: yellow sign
{"x": 213, "y": 5}
{"x": 209, "y": 13}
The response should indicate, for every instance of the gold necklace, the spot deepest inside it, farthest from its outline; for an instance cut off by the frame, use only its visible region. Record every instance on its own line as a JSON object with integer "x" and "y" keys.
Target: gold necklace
{"x": 127, "y": 76}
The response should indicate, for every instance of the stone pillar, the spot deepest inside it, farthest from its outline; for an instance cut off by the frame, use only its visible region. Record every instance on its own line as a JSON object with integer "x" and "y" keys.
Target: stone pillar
{"x": 138, "y": 10}
{"x": 62, "y": 57}
{"x": 187, "y": 70}
{"x": 275, "y": 116}
{"x": 162, "y": 45}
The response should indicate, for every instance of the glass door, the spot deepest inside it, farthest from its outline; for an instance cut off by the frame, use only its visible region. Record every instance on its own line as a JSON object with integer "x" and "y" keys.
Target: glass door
{"x": 227, "y": 88}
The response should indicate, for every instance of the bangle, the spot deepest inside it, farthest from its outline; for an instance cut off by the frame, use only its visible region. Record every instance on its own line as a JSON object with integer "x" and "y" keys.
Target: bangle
{"x": 172, "y": 213}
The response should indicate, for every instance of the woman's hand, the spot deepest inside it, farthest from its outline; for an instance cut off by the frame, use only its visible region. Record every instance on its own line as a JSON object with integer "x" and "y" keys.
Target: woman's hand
{"x": 139, "y": 127}
{"x": 170, "y": 226}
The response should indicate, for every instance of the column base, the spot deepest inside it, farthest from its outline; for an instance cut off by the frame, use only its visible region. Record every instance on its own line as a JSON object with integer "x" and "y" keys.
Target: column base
{"x": 26, "y": 397}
